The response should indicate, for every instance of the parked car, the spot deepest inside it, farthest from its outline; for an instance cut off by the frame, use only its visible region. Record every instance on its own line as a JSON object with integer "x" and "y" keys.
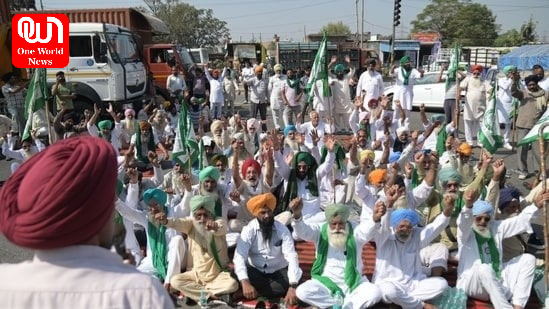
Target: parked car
{"x": 427, "y": 90}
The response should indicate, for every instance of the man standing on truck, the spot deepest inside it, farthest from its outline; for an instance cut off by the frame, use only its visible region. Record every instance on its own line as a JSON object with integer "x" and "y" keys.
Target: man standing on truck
{"x": 370, "y": 85}
{"x": 176, "y": 86}
{"x": 15, "y": 101}
{"x": 216, "y": 91}
{"x": 62, "y": 93}
{"x": 405, "y": 78}
{"x": 247, "y": 73}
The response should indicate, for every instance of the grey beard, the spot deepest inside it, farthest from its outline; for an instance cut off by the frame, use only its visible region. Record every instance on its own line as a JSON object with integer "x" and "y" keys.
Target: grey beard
{"x": 202, "y": 236}
{"x": 476, "y": 82}
{"x": 484, "y": 233}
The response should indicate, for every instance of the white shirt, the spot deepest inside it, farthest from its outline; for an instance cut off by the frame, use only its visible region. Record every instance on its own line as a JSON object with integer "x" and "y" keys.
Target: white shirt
{"x": 372, "y": 83}
{"x": 278, "y": 254}
{"x": 325, "y": 179}
{"x": 336, "y": 259}
{"x": 78, "y": 277}
{"x": 400, "y": 262}
{"x": 341, "y": 92}
{"x": 544, "y": 84}
{"x": 216, "y": 86}
{"x": 320, "y": 102}
{"x": 501, "y": 229}
{"x": 115, "y": 135}
{"x": 276, "y": 83}
{"x": 321, "y": 129}
{"x": 174, "y": 83}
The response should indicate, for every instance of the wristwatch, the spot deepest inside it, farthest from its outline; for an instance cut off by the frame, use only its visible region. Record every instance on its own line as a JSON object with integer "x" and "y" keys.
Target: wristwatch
{"x": 293, "y": 285}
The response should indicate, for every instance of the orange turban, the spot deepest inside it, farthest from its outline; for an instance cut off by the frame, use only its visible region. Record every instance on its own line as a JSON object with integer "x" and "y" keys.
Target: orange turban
{"x": 377, "y": 176}
{"x": 256, "y": 203}
{"x": 476, "y": 67}
{"x": 61, "y": 196}
{"x": 465, "y": 149}
{"x": 258, "y": 69}
{"x": 144, "y": 125}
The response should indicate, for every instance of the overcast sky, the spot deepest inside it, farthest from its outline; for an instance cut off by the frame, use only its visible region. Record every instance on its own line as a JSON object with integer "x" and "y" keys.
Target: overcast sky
{"x": 291, "y": 19}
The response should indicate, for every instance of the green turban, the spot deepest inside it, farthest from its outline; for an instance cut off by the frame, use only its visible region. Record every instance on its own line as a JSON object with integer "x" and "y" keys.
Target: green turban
{"x": 335, "y": 210}
{"x": 105, "y": 124}
{"x": 202, "y": 201}
{"x": 239, "y": 136}
{"x": 305, "y": 157}
{"x": 449, "y": 174}
{"x": 158, "y": 195}
{"x": 339, "y": 68}
{"x": 278, "y": 67}
{"x": 219, "y": 157}
{"x": 405, "y": 59}
{"x": 509, "y": 68}
{"x": 209, "y": 172}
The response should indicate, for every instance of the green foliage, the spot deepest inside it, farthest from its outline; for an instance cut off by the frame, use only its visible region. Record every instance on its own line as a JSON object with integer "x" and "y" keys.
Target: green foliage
{"x": 188, "y": 25}
{"x": 461, "y": 22}
{"x": 338, "y": 28}
{"x": 514, "y": 37}
{"x": 528, "y": 31}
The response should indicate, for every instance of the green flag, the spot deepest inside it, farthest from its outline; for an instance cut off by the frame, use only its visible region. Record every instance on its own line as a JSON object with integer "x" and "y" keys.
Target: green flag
{"x": 319, "y": 71}
{"x": 489, "y": 134}
{"x": 532, "y": 135}
{"x": 453, "y": 67}
{"x": 36, "y": 97}
{"x": 185, "y": 147}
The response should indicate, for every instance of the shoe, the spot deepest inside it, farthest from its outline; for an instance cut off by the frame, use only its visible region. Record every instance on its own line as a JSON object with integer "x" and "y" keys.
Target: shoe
{"x": 508, "y": 146}
{"x": 523, "y": 175}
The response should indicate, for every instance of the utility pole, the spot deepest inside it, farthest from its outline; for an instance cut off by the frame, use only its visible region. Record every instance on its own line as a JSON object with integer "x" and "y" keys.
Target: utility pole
{"x": 357, "y": 19}
{"x": 396, "y": 22}
{"x": 362, "y": 27}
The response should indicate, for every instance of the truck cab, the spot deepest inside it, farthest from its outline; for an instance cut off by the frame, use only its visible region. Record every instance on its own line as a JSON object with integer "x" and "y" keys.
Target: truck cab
{"x": 105, "y": 65}
{"x": 161, "y": 58}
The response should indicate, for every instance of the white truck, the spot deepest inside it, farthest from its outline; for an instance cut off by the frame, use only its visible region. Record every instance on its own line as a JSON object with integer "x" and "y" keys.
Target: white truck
{"x": 105, "y": 66}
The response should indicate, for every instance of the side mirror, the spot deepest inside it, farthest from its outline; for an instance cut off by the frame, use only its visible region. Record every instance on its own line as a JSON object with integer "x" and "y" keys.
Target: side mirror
{"x": 103, "y": 53}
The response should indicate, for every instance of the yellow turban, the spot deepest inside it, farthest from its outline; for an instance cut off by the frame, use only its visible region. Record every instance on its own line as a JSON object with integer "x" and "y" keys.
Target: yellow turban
{"x": 377, "y": 176}
{"x": 217, "y": 124}
{"x": 367, "y": 154}
{"x": 256, "y": 203}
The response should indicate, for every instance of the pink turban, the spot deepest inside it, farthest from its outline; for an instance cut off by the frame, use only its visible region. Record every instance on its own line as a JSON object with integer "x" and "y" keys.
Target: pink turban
{"x": 128, "y": 112}
{"x": 61, "y": 196}
{"x": 250, "y": 163}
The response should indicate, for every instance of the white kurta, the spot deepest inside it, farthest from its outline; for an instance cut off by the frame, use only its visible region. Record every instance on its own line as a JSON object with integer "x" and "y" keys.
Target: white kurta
{"x": 405, "y": 93}
{"x": 372, "y": 84}
{"x": 479, "y": 280}
{"x": 398, "y": 271}
{"x": 475, "y": 104}
{"x": 321, "y": 129}
{"x": 78, "y": 277}
{"x": 315, "y": 293}
{"x": 504, "y": 99}
{"x": 276, "y": 83}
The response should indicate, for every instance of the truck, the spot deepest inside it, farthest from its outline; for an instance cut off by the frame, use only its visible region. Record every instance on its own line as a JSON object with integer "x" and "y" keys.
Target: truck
{"x": 302, "y": 54}
{"x": 158, "y": 58}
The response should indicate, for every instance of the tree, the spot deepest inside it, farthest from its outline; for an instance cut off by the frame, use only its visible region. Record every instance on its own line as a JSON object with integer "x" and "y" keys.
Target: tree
{"x": 188, "y": 25}
{"x": 514, "y": 37}
{"x": 509, "y": 38}
{"x": 338, "y": 28}
{"x": 461, "y": 22}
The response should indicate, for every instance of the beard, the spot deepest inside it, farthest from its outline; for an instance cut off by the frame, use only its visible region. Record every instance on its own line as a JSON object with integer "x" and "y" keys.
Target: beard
{"x": 476, "y": 82}
{"x": 401, "y": 202}
{"x": 214, "y": 194}
{"x": 402, "y": 237}
{"x": 482, "y": 231}
{"x": 202, "y": 236}
{"x": 251, "y": 183}
{"x": 338, "y": 238}
{"x": 292, "y": 144}
{"x": 266, "y": 228}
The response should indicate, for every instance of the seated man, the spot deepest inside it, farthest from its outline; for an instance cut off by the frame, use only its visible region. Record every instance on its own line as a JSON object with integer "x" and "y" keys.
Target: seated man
{"x": 208, "y": 259}
{"x": 143, "y": 141}
{"x": 398, "y": 271}
{"x": 265, "y": 259}
{"x": 337, "y": 270}
{"x": 481, "y": 272}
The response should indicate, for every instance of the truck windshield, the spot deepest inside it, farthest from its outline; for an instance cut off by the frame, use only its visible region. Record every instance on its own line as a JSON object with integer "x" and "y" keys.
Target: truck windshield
{"x": 124, "y": 46}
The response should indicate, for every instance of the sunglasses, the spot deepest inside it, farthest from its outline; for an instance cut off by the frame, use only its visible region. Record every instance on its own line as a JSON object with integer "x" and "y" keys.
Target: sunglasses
{"x": 482, "y": 218}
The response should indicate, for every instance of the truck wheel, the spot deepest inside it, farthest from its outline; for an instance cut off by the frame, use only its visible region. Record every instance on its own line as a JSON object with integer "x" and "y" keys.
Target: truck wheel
{"x": 81, "y": 104}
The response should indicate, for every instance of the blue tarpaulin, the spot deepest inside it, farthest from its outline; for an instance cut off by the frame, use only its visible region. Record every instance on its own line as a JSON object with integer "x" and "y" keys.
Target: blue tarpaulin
{"x": 526, "y": 56}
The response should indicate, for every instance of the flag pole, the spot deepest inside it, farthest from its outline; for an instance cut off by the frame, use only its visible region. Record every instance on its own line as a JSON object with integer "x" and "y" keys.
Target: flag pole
{"x": 545, "y": 206}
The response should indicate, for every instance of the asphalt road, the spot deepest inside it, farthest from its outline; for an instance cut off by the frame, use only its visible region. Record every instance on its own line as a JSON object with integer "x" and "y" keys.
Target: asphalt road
{"x": 12, "y": 254}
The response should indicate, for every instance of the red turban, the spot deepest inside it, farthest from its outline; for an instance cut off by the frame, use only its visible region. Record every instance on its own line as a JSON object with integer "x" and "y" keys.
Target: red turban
{"x": 250, "y": 163}
{"x": 476, "y": 67}
{"x": 61, "y": 196}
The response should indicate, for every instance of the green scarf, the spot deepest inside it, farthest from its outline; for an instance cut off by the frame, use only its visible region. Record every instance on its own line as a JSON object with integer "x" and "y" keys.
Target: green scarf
{"x": 291, "y": 188}
{"x": 415, "y": 178}
{"x": 352, "y": 277}
{"x": 218, "y": 208}
{"x": 151, "y": 146}
{"x": 213, "y": 249}
{"x": 159, "y": 248}
{"x": 406, "y": 75}
{"x": 340, "y": 156}
{"x": 458, "y": 205}
{"x": 441, "y": 140}
{"x": 493, "y": 257}
{"x": 294, "y": 84}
